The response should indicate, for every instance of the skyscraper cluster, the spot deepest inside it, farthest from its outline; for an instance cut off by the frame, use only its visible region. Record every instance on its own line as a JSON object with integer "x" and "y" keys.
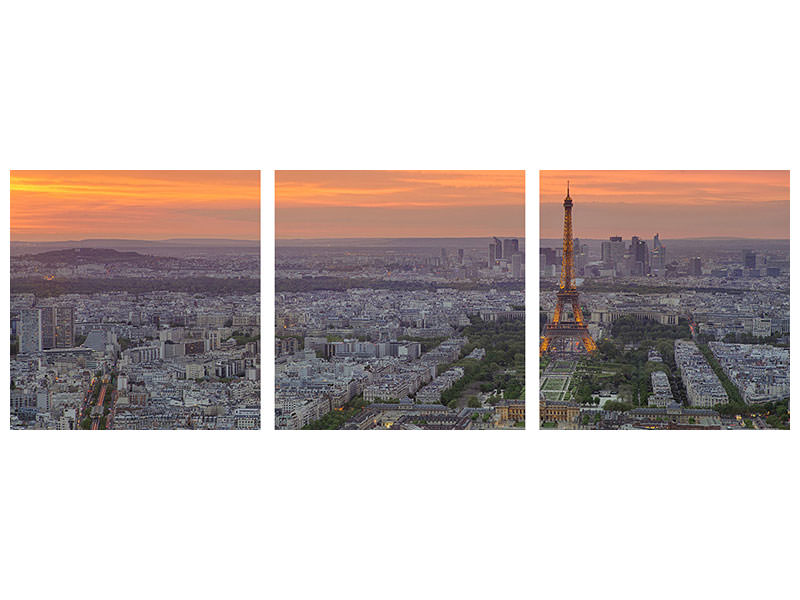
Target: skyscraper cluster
{"x": 506, "y": 251}
{"x": 616, "y": 258}
{"x": 637, "y": 259}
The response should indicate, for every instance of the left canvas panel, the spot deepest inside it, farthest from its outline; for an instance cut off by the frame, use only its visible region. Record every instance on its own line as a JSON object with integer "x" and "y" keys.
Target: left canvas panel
{"x": 135, "y": 300}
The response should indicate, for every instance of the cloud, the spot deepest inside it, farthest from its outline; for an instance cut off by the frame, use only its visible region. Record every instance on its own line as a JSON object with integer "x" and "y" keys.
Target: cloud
{"x": 673, "y": 203}
{"x": 398, "y": 203}
{"x": 55, "y": 205}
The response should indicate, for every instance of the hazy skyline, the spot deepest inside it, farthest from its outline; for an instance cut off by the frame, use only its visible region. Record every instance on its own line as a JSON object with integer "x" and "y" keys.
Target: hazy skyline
{"x": 397, "y": 204}
{"x": 675, "y": 204}
{"x": 143, "y": 205}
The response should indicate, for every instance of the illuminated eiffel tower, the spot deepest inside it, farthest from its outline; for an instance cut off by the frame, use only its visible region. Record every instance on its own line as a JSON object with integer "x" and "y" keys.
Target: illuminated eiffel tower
{"x": 563, "y": 334}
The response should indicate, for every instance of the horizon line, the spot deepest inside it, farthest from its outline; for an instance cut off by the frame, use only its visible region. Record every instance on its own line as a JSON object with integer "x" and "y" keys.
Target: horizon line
{"x": 384, "y": 237}
{"x": 710, "y": 237}
{"x": 132, "y": 240}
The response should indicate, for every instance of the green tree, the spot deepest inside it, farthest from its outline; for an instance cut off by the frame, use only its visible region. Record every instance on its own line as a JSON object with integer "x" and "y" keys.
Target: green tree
{"x": 617, "y": 406}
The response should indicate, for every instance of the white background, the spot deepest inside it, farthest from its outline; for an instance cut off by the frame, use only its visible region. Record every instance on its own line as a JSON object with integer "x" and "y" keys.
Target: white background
{"x": 423, "y": 85}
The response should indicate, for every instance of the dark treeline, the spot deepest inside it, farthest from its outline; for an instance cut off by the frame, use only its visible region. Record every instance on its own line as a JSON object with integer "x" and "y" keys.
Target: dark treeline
{"x": 597, "y": 286}
{"x": 191, "y": 285}
{"x": 629, "y": 329}
{"x": 340, "y": 284}
{"x": 749, "y": 338}
{"x": 80, "y": 256}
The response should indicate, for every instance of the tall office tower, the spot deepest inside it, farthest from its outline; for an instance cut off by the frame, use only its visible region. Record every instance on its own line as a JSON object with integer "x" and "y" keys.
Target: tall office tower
{"x": 617, "y": 248}
{"x": 461, "y": 256}
{"x": 48, "y": 327}
{"x": 613, "y": 251}
{"x": 658, "y": 263}
{"x": 510, "y": 247}
{"x": 658, "y": 258}
{"x": 30, "y": 330}
{"x": 65, "y": 327}
{"x": 498, "y": 248}
{"x": 58, "y": 327}
{"x": 492, "y": 255}
{"x": 444, "y": 257}
{"x": 635, "y": 268}
{"x": 695, "y": 266}
{"x": 749, "y": 259}
{"x": 581, "y": 257}
{"x": 605, "y": 252}
{"x": 516, "y": 265}
{"x": 562, "y": 333}
{"x": 550, "y": 256}
{"x": 640, "y": 256}
{"x": 542, "y": 262}
{"x": 642, "y": 253}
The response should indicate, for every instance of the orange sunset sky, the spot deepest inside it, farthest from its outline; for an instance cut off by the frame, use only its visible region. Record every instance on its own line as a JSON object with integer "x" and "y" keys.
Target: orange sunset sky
{"x": 343, "y": 204}
{"x": 145, "y": 205}
{"x": 675, "y": 204}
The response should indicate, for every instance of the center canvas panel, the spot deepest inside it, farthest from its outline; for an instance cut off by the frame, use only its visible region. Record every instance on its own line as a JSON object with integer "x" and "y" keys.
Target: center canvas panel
{"x": 400, "y": 300}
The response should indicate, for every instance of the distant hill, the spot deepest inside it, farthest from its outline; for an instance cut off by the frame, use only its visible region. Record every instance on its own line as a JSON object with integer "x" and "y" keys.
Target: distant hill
{"x": 82, "y": 256}
{"x": 171, "y": 247}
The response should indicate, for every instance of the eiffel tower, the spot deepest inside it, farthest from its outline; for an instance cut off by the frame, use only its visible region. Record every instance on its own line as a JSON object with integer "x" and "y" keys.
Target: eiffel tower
{"x": 563, "y": 334}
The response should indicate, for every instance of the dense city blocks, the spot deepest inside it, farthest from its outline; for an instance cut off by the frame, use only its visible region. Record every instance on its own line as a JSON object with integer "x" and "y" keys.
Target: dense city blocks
{"x": 120, "y": 359}
{"x": 437, "y": 343}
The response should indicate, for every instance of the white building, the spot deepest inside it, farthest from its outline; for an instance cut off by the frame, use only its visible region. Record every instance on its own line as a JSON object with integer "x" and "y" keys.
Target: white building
{"x": 703, "y": 388}
{"x": 195, "y": 371}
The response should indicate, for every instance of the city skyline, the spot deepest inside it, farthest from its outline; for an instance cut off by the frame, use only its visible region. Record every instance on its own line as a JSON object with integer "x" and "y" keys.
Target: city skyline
{"x": 144, "y": 205}
{"x": 675, "y": 204}
{"x": 398, "y": 204}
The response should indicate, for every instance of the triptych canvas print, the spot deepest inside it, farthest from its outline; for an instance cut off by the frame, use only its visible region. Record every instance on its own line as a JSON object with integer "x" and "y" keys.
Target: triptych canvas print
{"x": 660, "y": 300}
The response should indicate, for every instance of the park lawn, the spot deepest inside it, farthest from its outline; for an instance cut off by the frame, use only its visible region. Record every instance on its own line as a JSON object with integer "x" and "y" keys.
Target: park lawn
{"x": 552, "y": 384}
